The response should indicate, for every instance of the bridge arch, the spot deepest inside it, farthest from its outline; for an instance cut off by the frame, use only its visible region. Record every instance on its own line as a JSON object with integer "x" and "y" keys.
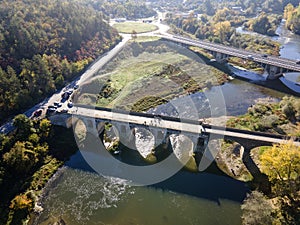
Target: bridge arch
{"x": 183, "y": 147}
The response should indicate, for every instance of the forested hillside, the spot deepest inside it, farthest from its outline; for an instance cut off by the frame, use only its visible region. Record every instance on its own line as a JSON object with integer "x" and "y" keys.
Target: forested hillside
{"x": 250, "y": 7}
{"x": 43, "y": 43}
{"x": 130, "y": 9}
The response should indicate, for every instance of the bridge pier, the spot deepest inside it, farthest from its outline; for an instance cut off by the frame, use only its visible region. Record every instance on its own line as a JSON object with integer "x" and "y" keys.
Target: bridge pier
{"x": 274, "y": 72}
{"x": 220, "y": 57}
{"x": 201, "y": 144}
{"x": 159, "y": 135}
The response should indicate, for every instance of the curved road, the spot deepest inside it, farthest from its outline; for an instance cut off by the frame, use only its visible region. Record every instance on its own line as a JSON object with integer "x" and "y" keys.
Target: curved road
{"x": 86, "y": 76}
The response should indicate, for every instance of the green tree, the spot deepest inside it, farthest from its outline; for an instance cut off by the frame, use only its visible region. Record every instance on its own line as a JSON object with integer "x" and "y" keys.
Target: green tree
{"x": 44, "y": 128}
{"x": 23, "y": 125}
{"x": 20, "y": 159}
{"x": 37, "y": 54}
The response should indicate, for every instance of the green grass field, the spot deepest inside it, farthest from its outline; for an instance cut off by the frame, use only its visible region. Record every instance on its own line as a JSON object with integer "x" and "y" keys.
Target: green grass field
{"x": 154, "y": 75}
{"x": 139, "y": 27}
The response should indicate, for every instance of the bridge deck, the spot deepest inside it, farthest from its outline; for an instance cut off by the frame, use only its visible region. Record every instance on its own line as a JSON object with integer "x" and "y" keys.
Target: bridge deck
{"x": 175, "y": 124}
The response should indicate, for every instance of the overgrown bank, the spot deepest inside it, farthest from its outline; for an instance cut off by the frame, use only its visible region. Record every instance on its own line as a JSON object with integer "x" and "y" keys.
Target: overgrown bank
{"x": 29, "y": 157}
{"x": 277, "y": 118}
{"x": 280, "y": 163}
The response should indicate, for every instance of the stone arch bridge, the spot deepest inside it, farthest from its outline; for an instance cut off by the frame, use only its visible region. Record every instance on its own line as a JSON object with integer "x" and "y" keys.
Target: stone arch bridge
{"x": 162, "y": 127}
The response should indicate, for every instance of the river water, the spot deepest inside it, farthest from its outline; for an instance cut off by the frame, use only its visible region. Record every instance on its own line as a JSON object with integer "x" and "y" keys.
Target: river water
{"x": 81, "y": 197}
{"x": 76, "y": 195}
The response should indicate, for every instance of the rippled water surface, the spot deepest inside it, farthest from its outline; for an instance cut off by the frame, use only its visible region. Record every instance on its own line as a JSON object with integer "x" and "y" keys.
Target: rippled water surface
{"x": 79, "y": 197}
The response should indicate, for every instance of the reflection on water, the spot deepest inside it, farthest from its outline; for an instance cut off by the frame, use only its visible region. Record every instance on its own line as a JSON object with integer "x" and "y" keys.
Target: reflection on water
{"x": 238, "y": 95}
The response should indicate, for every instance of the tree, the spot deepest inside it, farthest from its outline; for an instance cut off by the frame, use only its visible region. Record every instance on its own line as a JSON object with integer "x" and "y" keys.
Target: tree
{"x": 20, "y": 159}
{"x": 223, "y": 30}
{"x": 45, "y": 126}
{"x": 21, "y": 201}
{"x": 282, "y": 165}
{"x": 133, "y": 34}
{"x": 23, "y": 125}
{"x": 37, "y": 54}
{"x": 289, "y": 111}
{"x": 292, "y": 16}
{"x": 288, "y": 12}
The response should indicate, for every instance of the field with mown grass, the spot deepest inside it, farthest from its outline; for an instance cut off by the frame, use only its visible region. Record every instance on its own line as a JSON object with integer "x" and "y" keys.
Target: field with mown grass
{"x": 138, "y": 27}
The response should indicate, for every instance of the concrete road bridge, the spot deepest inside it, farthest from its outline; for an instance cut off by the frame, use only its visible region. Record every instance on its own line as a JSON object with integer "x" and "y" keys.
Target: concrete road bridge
{"x": 275, "y": 66}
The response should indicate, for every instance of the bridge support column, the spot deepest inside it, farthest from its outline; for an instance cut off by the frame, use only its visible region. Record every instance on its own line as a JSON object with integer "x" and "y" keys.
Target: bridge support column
{"x": 100, "y": 128}
{"x": 201, "y": 144}
{"x": 91, "y": 125}
{"x": 220, "y": 57}
{"x": 274, "y": 72}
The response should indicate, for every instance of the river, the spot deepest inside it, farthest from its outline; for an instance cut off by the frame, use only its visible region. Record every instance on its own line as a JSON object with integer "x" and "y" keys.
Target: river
{"x": 79, "y": 197}
{"x": 76, "y": 195}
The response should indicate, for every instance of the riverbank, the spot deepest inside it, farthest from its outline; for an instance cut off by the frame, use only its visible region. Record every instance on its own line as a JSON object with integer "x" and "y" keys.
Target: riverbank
{"x": 24, "y": 177}
{"x": 277, "y": 118}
